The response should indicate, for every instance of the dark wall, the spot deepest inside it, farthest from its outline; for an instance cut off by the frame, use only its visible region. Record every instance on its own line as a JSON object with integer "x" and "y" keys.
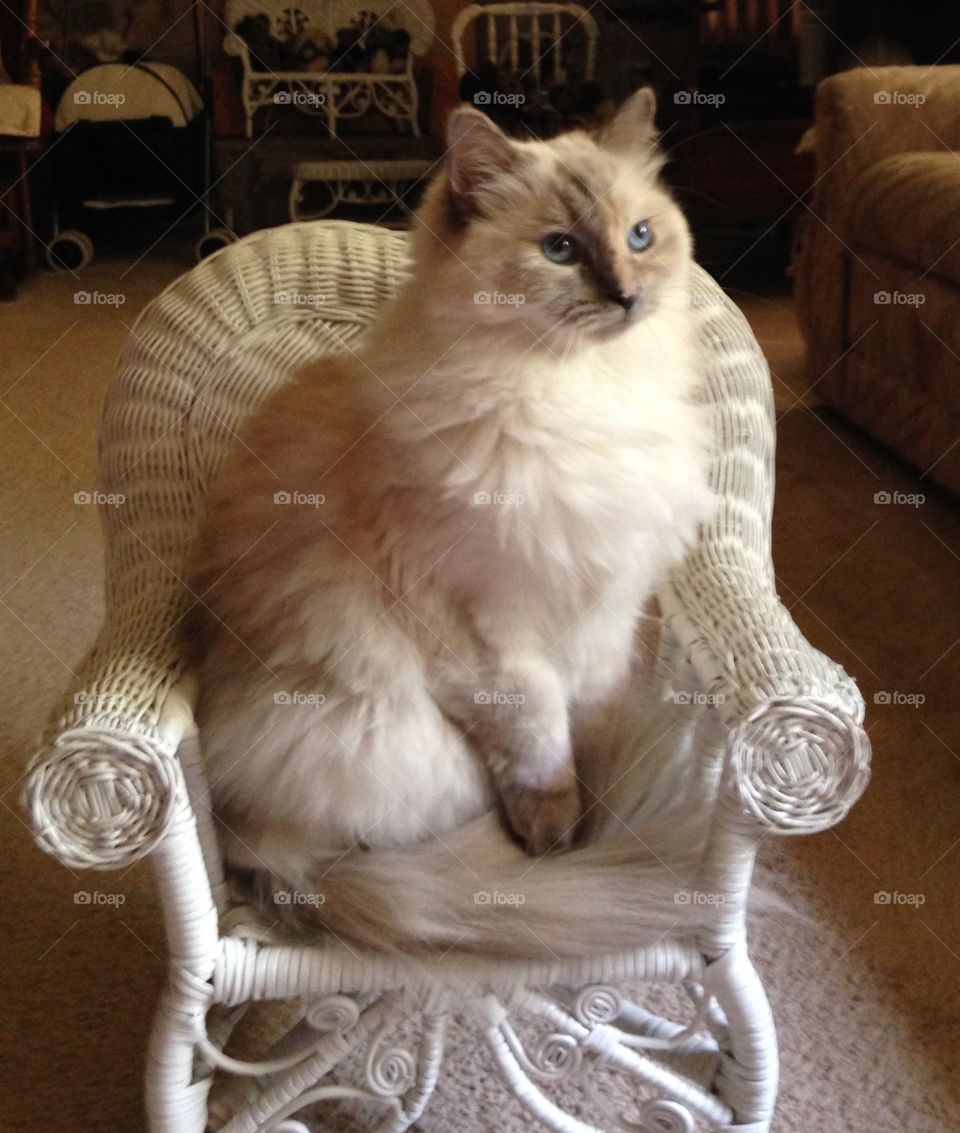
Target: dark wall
{"x": 12, "y": 37}
{"x": 926, "y": 28}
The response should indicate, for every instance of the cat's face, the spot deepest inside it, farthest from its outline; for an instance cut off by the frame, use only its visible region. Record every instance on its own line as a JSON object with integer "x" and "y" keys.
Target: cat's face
{"x": 575, "y": 238}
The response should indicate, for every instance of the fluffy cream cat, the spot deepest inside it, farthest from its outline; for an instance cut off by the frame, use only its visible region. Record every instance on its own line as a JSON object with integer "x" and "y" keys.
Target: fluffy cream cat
{"x": 436, "y": 627}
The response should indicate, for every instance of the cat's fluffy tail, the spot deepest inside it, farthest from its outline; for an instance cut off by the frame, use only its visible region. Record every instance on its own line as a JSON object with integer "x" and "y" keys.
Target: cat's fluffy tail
{"x": 476, "y": 891}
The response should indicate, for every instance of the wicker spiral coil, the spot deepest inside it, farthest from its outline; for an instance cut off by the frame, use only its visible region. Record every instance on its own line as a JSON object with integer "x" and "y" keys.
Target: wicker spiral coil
{"x": 798, "y": 767}
{"x": 103, "y": 799}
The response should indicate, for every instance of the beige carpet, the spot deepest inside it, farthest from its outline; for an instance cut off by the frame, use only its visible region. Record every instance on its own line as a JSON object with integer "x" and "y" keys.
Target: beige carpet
{"x": 867, "y": 996}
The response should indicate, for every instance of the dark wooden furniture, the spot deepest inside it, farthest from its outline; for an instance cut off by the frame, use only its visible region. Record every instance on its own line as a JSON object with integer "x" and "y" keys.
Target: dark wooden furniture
{"x": 17, "y": 155}
{"x": 733, "y": 112}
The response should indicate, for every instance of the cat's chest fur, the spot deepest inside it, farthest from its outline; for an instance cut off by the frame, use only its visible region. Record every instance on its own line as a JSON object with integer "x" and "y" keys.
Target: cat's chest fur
{"x": 553, "y": 481}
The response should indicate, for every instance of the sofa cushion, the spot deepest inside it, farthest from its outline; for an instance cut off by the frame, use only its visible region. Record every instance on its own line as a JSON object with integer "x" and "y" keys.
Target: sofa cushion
{"x": 908, "y": 207}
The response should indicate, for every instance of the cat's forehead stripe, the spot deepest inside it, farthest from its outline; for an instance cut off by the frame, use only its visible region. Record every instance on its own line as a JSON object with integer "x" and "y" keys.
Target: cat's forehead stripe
{"x": 587, "y": 207}
{"x": 592, "y": 194}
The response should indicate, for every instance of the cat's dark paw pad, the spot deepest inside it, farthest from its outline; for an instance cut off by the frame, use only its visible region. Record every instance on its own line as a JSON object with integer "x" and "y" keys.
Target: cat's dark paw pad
{"x": 542, "y": 819}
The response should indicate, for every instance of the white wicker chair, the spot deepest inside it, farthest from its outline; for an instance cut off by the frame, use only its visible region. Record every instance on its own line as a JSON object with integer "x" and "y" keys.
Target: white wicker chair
{"x": 120, "y": 776}
{"x": 543, "y": 29}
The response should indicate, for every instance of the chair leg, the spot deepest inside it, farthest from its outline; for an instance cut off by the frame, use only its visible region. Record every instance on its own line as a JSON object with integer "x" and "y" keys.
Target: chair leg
{"x": 176, "y": 1097}
{"x": 749, "y": 1070}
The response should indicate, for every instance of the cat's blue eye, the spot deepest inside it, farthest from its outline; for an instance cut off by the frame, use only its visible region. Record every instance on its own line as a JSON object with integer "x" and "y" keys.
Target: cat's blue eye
{"x": 640, "y": 237}
{"x": 560, "y": 248}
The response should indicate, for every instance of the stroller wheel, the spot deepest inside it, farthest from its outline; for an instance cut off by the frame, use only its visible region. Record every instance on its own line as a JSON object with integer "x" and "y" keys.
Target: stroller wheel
{"x": 70, "y": 251}
{"x": 213, "y": 241}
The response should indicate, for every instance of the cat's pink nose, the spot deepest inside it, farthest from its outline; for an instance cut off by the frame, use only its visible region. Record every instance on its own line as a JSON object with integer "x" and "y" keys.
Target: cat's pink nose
{"x": 626, "y": 299}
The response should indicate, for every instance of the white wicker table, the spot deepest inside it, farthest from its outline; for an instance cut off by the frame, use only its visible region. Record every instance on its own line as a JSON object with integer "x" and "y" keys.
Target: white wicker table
{"x": 355, "y": 182}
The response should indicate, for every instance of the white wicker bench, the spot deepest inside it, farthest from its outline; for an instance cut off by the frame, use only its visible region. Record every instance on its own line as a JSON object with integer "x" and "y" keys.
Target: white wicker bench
{"x": 121, "y": 777}
{"x": 332, "y": 94}
{"x": 354, "y": 182}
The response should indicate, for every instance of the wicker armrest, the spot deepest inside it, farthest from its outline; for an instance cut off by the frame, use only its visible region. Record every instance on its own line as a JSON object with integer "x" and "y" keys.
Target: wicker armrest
{"x": 799, "y": 757}
{"x": 104, "y": 788}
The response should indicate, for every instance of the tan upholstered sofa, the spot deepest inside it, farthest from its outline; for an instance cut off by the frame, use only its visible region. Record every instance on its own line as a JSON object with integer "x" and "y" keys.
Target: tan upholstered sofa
{"x": 878, "y": 281}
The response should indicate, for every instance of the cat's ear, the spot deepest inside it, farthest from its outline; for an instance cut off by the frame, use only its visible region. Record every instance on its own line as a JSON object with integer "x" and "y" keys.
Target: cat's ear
{"x": 632, "y": 130}
{"x": 478, "y": 152}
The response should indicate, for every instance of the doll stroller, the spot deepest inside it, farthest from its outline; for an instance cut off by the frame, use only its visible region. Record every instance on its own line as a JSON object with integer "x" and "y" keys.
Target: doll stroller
{"x": 131, "y": 159}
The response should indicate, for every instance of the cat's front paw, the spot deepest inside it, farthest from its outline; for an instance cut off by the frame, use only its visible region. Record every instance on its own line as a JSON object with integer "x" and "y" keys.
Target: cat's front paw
{"x": 543, "y": 819}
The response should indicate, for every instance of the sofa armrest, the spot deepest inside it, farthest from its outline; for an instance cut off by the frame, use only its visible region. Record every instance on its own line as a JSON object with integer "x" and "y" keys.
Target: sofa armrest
{"x": 865, "y": 115}
{"x": 105, "y": 787}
